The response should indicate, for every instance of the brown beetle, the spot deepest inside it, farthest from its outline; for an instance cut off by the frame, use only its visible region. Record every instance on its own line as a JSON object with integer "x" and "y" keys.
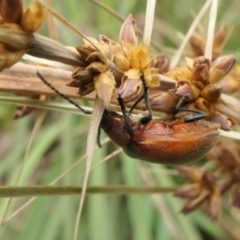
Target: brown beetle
{"x": 178, "y": 142}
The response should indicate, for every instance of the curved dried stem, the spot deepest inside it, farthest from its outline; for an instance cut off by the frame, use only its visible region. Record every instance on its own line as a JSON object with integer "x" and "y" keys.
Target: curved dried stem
{"x": 211, "y": 29}
{"x": 177, "y": 55}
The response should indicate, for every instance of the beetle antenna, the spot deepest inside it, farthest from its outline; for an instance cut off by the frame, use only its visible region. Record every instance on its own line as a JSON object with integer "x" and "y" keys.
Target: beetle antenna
{"x": 70, "y": 101}
{"x": 190, "y": 118}
{"x": 61, "y": 94}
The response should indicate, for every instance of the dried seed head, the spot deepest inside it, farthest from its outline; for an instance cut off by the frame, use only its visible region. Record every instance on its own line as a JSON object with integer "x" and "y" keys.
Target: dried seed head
{"x": 94, "y": 73}
{"x": 11, "y": 10}
{"x": 33, "y": 17}
{"x": 198, "y": 80}
{"x": 203, "y": 188}
{"x": 128, "y": 32}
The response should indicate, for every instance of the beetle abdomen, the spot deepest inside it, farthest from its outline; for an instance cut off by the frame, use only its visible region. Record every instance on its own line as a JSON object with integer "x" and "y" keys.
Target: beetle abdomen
{"x": 178, "y": 143}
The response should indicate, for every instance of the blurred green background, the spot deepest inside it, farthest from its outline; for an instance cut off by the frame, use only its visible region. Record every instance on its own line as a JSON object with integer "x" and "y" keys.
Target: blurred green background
{"x": 61, "y": 141}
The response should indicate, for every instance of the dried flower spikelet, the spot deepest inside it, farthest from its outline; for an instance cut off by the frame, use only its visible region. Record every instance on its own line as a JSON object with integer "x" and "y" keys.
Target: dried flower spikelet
{"x": 121, "y": 59}
{"x": 91, "y": 45}
{"x": 98, "y": 63}
{"x": 161, "y": 62}
{"x": 204, "y": 106}
{"x": 180, "y": 73}
{"x": 229, "y": 107}
{"x": 22, "y": 111}
{"x": 151, "y": 77}
{"x": 131, "y": 86}
{"x": 220, "y": 37}
{"x": 141, "y": 57}
{"x": 222, "y": 120}
{"x": 163, "y": 102}
{"x": 33, "y": 17}
{"x": 203, "y": 187}
{"x": 190, "y": 173}
{"x": 184, "y": 88}
{"x": 128, "y": 32}
{"x": 135, "y": 61}
{"x": 83, "y": 79}
{"x": 231, "y": 85}
{"x": 201, "y": 67}
{"x": 188, "y": 191}
{"x": 214, "y": 205}
{"x": 104, "y": 84}
{"x": 212, "y": 92}
{"x": 88, "y": 76}
{"x": 236, "y": 196}
{"x": 226, "y": 154}
{"x": 197, "y": 44}
{"x": 221, "y": 67}
{"x": 8, "y": 58}
{"x": 11, "y": 10}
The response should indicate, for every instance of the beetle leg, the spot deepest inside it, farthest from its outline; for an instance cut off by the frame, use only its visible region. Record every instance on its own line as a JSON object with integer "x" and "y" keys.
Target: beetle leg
{"x": 136, "y": 103}
{"x": 148, "y": 118}
{"x": 190, "y": 118}
{"x": 125, "y": 116}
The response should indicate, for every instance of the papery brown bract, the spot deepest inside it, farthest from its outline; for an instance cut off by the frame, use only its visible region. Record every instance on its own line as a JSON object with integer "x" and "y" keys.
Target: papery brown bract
{"x": 170, "y": 143}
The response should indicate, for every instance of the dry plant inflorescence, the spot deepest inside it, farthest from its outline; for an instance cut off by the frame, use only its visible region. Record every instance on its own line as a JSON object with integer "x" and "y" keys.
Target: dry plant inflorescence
{"x": 123, "y": 68}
